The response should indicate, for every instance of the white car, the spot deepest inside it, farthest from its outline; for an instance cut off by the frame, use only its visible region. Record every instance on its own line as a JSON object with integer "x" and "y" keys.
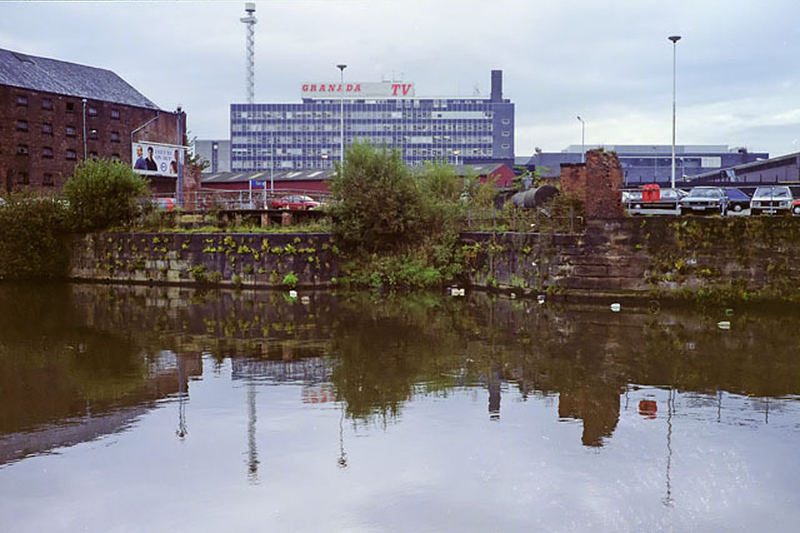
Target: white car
{"x": 776, "y": 199}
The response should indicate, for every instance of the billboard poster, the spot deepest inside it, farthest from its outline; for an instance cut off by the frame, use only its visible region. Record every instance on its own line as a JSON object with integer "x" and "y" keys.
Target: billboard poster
{"x": 155, "y": 159}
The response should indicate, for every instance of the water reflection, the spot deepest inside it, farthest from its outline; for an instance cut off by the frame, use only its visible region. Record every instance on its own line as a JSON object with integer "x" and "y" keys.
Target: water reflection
{"x": 80, "y": 363}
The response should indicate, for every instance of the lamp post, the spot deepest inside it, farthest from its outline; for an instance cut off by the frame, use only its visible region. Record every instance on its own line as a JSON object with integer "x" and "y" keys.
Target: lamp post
{"x": 583, "y": 149}
{"x": 674, "y": 39}
{"x": 341, "y": 68}
{"x": 456, "y": 153}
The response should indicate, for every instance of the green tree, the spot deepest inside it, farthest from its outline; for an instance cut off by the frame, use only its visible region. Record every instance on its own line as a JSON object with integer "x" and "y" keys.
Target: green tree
{"x": 32, "y": 232}
{"x": 376, "y": 202}
{"x": 102, "y": 194}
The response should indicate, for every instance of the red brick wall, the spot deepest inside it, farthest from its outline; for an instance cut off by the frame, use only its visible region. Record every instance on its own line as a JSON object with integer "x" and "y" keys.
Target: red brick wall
{"x": 112, "y": 137}
{"x": 597, "y": 183}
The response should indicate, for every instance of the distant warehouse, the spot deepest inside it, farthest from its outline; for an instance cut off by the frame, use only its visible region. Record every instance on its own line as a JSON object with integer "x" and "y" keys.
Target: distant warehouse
{"x": 54, "y": 114}
{"x": 307, "y": 135}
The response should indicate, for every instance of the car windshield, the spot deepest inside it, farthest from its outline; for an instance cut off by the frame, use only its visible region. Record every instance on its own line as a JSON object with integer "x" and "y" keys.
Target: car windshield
{"x": 775, "y": 192}
{"x": 705, "y": 193}
{"x": 736, "y": 194}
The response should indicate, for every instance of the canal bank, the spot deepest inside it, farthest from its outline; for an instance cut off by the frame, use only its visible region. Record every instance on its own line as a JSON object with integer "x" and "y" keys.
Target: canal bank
{"x": 733, "y": 259}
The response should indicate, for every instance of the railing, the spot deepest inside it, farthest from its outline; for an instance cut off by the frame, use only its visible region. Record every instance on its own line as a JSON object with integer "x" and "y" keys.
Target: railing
{"x": 240, "y": 200}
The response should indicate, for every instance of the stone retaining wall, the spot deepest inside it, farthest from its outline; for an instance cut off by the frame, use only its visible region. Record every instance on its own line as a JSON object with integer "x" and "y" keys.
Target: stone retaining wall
{"x": 743, "y": 257}
{"x": 253, "y": 260}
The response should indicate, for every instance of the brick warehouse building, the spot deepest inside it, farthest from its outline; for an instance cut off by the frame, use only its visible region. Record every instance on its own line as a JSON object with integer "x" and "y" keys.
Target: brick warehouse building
{"x": 54, "y": 114}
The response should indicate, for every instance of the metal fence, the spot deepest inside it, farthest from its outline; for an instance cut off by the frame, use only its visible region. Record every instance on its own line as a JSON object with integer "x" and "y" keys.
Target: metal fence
{"x": 240, "y": 200}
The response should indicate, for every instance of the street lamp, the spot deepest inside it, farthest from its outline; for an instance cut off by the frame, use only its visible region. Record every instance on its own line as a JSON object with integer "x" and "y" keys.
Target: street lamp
{"x": 341, "y": 68}
{"x": 583, "y": 149}
{"x": 456, "y": 153}
{"x": 674, "y": 39}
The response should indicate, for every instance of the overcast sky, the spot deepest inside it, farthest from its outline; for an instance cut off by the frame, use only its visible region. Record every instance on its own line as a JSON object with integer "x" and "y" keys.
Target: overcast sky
{"x": 610, "y": 61}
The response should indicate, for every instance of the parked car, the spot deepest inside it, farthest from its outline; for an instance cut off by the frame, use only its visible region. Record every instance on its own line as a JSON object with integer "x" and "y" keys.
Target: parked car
{"x": 706, "y": 200}
{"x": 738, "y": 201}
{"x": 776, "y": 199}
{"x": 296, "y": 202}
{"x": 796, "y": 207}
{"x": 665, "y": 202}
{"x": 166, "y": 203}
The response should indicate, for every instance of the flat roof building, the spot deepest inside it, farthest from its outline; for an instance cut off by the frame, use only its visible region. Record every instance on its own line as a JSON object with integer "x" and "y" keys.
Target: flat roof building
{"x": 651, "y": 163}
{"x": 307, "y": 135}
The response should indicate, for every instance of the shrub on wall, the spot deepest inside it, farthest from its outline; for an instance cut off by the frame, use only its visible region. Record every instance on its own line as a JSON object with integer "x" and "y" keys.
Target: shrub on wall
{"x": 102, "y": 194}
{"x": 32, "y": 234}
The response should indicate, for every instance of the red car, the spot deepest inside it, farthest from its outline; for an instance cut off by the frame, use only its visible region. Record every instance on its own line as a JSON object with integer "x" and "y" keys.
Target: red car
{"x": 165, "y": 203}
{"x": 296, "y": 201}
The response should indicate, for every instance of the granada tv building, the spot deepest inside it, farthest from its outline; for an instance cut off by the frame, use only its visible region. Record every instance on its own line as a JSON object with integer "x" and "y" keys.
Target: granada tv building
{"x": 307, "y": 135}
{"x": 54, "y": 114}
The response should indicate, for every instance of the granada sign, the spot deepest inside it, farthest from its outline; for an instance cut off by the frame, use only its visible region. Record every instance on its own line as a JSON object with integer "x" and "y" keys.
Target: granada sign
{"x": 389, "y": 89}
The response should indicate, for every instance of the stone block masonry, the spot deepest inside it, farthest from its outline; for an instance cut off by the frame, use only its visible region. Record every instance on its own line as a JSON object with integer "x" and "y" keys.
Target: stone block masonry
{"x": 738, "y": 258}
{"x": 227, "y": 259}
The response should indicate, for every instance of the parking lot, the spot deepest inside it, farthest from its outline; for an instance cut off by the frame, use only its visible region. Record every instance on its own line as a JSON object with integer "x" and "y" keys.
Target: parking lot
{"x": 765, "y": 200}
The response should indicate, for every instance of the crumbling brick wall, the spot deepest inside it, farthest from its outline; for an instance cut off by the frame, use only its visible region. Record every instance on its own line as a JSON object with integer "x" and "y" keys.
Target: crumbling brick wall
{"x": 597, "y": 183}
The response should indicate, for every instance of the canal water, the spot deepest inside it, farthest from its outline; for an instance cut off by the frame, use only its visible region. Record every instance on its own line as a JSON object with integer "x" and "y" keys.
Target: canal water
{"x": 163, "y": 409}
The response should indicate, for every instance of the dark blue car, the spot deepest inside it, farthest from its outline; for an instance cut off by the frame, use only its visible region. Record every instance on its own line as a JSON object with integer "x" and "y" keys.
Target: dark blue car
{"x": 738, "y": 201}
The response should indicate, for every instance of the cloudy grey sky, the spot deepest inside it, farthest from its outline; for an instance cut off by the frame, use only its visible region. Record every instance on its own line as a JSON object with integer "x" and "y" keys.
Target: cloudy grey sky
{"x": 610, "y": 61}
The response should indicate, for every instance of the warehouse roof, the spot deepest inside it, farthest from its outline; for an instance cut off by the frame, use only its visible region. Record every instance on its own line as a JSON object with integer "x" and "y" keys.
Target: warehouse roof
{"x": 70, "y": 79}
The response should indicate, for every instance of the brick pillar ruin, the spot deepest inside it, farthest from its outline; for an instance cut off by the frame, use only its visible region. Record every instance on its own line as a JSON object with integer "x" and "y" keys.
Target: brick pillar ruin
{"x": 597, "y": 183}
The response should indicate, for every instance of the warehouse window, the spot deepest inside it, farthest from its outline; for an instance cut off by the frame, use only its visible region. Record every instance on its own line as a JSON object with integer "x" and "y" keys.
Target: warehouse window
{"x": 71, "y": 154}
{"x": 70, "y": 131}
{"x": 47, "y": 103}
{"x": 93, "y": 155}
{"x": 115, "y": 114}
{"x": 47, "y": 152}
{"x": 22, "y": 149}
{"x": 93, "y": 133}
{"x": 23, "y": 178}
{"x": 47, "y": 129}
{"x": 115, "y": 137}
{"x": 70, "y": 107}
{"x": 47, "y": 179}
{"x": 92, "y": 111}
{"x": 22, "y": 125}
{"x": 22, "y": 100}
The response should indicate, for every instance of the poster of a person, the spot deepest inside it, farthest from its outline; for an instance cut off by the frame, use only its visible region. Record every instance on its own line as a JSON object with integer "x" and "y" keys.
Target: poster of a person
{"x": 173, "y": 165}
{"x": 151, "y": 163}
{"x": 141, "y": 164}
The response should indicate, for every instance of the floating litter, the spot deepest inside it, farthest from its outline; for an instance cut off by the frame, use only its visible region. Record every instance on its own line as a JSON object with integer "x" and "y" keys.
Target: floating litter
{"x": 540, "y": 299}
{"x": 513, "y": 295}
{"x": 292, "y": 294}
{"x": 305, "y": 300}
{"x": 729, "y": 312}
{"x": 455, "y": 291}
{"x": 724, "y": 324}
{"x": 616, "y": 307}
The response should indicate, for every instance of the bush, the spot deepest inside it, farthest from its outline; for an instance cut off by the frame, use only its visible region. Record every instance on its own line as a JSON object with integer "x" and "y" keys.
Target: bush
{"x": 103, "y": 194}
{"x": 32, "y": 237}
{"x": 376, "y": 203}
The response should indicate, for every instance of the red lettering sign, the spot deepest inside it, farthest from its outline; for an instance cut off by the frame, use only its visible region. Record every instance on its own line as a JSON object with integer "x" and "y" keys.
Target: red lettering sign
{"x": 322, "y": 88}
{"x": 349, "y": 87}
{"x": 305, "y": 88}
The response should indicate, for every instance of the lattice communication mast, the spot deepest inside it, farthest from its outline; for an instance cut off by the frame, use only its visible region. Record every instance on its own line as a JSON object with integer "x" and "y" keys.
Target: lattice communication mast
{"x": 250, "y": 20}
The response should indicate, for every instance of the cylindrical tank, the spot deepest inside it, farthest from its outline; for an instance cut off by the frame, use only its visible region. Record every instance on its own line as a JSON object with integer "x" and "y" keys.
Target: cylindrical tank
{"x": 534, "y": 197}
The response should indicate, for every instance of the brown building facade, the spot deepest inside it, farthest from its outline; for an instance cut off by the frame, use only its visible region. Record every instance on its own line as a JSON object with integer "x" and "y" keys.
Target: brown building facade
{"x": 54, "y": 114}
